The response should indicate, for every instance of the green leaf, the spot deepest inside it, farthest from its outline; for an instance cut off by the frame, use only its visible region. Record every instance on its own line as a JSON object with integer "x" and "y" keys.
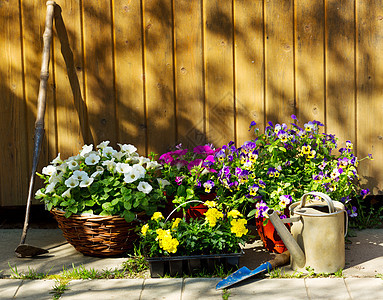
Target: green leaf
{"x": 251, "y": 213}
{"x": 49, "y": 206}
{"x": 127, "y": 205}
{"x": 128, "y": 216}
{"x": 90, "y": 202}
{"x": 106, "y": 206}
{"x": 115, "y": 201}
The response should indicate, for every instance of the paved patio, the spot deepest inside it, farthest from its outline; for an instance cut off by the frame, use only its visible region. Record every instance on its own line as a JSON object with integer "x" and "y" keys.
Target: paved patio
{"x": 364, "y": 260}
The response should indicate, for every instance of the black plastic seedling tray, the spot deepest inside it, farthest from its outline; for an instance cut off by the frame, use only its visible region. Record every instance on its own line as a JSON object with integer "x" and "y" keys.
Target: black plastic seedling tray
{"x": 179, "y": 265}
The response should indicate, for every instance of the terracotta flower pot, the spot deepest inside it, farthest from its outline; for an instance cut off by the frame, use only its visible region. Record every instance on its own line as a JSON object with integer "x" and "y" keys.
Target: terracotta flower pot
{"x": 269, "y": 236}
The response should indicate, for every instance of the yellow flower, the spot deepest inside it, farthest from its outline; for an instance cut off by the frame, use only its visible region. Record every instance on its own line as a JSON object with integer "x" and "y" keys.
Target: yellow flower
{"x": 238, "y": 227}
{"x": 157, "y": 215}
{"x": 144, "y": 229}
{"x": 161, "y": 234}
{"x": 169, "y": 244}
{"x": 212, "y": 215}
{"x": 234, "y": 214}
{"x": 210, "y": 203}
{"x": 306, "y": 150}
{"x": 175, "y": 223}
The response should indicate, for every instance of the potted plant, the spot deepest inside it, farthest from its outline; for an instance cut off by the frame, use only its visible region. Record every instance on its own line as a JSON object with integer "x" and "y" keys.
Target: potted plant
{"x": 176, "y": 243}
{"x": 294, "y": 160}
{"x": 104, "y": 188}
{"x": 186, "y": 176}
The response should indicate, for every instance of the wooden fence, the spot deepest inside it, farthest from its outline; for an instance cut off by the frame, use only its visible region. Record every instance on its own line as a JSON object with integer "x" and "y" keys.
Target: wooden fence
{"x": 155, "y": 73}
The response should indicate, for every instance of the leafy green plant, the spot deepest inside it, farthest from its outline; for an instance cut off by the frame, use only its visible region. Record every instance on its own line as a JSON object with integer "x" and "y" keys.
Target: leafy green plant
{"x": 185, "y": 170}
{"x": 225, "y": 294}
{"x": 292, "y": 161}
{"x": 32, "y": 274}
{"x": 380, "y": 275}
{"x": 214, "y": 234}
{"x": 103, "y": 182}
{"x": 59, "y": 288}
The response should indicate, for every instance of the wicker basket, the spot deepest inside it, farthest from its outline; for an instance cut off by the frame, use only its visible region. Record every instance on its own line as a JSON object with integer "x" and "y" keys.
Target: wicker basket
{"x": 97, "y": 235}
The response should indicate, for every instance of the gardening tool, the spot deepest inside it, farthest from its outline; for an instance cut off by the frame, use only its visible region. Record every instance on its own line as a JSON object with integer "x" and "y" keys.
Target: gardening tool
{"x": 25, "y": 250}
{"x": 317, "y": 233}
{"x": 244, "y": 272}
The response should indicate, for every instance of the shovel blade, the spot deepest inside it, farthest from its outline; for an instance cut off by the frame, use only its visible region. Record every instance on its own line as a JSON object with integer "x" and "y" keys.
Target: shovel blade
{"x": 25, "y": 250}
{"x": 242, "y": 274}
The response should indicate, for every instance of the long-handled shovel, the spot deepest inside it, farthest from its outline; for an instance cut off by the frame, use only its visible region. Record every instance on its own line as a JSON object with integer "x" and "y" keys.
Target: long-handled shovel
{"x": 244, "y": 272}
{"x": 25, "y": 250}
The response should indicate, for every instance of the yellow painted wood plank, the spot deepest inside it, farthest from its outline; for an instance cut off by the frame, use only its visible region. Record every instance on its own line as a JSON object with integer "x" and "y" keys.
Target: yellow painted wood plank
{"x": 33, "y": 16}
{"x": 13, "y": 152}
{"x": 189, "y": 73}
{"x": 249, "y": 67}
{"x": 370, "y": 92}
{"x": 309, "y": 59}
{"x": 279, "y": 53}
{"x": 99, "y": 72}
{"x": 219, "y": 81}
{"x": 159, "y": 74}
{"x": 73, "y": 130}
{"x": 340, "y": 70}
{"x": 129, "y": 74}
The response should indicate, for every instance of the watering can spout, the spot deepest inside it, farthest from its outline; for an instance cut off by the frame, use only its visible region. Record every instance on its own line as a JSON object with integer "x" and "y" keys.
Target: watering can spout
{"x": 290, "y": 243}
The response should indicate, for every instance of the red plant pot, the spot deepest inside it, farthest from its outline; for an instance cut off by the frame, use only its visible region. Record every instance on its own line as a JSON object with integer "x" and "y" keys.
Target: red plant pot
{"x": 269, "y": 236}
{"x": 198, "y": 211}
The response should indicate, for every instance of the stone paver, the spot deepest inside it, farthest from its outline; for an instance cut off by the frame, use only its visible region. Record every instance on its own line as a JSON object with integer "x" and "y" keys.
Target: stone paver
{"x": 164, "y": 289}
{"x": 281, "y": 289}
{"x": 8, "y": 288}
{"x": 104, "y": 289}
{"x": 327, "y": 288}
{"x": 365, "y": 288}
{"x": 35, "y": 289}
{"x": 200, "y": 288}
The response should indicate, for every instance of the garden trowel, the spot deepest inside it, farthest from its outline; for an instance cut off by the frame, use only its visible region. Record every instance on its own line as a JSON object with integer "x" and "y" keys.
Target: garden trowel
{"x": 244, "y": 272}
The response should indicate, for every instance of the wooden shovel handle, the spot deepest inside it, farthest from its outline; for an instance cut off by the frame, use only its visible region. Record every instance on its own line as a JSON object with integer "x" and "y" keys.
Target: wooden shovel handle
{"x": 280, "y": 259}
{"x": 44, "y": 73}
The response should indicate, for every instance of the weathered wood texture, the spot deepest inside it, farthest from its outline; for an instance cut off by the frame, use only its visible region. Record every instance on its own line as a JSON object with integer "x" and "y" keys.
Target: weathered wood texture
{"x": 155, "y": 73}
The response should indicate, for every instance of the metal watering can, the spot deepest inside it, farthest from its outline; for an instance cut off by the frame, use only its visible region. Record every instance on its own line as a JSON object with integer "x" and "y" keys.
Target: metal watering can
{"x": 317, "y": 233}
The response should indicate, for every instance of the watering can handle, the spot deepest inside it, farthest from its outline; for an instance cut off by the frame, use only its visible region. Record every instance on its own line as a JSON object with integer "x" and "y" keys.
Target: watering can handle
{"x": 321, "y": 195}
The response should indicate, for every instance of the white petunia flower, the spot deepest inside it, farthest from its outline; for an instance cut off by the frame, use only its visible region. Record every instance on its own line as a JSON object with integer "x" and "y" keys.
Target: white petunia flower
{"x": 118, "y": 155}
{"x": 131, "y": 176}
{"x": 86, "y": 182}
{"x": 110, "y": 165}
{"x": 143, "y": 160}
{"x": 140, "y": 170}
{"x": 108, "y": 151}
{"x": 71, "y": 182}
{"x": 50, "y": 187}
{"x": 102, "y": 145}
{"x": 67, "y": 194}
{"x": 128, "y": 148}
{"x": 62, "y": 167}
{"x": 56, "y": 178}
{"x": 92, "y": 159}
{"x": 80, "y": 175}
{"x": 144, "y": 187}
{"x": 57, "y": 160}
{"x": 73, "y": 165}
{"x": 153, "y": 165}
{"x": 49, "y": 170}
{"x": 99, "y": 171}
{"x": 86, "y": 149}
{"x": 39, "y": 194}
{"x": 162, "y": 182}
{"x": 123, "y": 168}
